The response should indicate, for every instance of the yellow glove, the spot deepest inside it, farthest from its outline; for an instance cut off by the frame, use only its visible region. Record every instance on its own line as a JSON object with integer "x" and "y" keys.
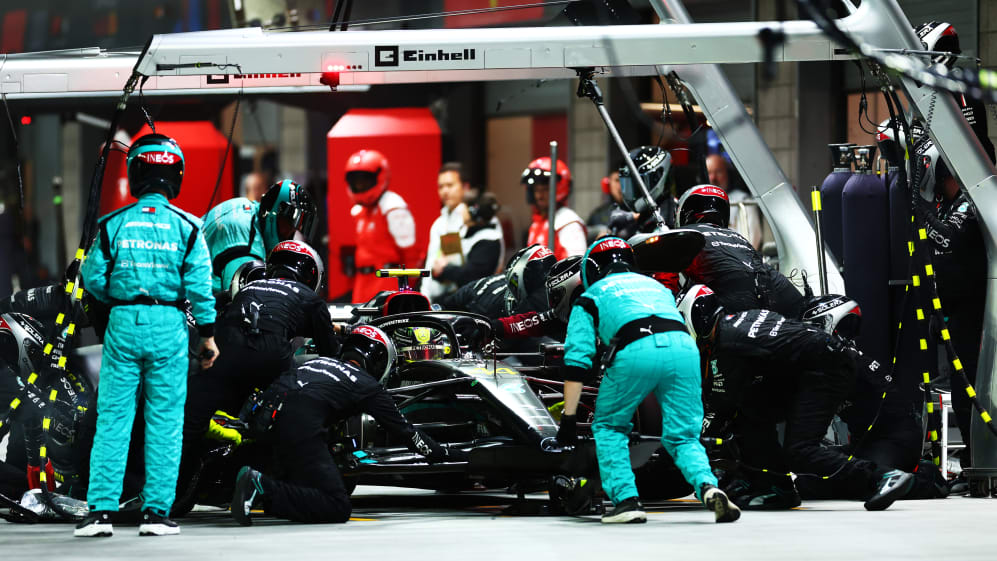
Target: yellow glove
{"x": 218, "y": 431}
{"x": 556, "y": 410}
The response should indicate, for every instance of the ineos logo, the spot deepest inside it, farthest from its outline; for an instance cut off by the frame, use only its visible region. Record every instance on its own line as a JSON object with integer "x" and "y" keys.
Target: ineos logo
{"x": 386, "y": 55}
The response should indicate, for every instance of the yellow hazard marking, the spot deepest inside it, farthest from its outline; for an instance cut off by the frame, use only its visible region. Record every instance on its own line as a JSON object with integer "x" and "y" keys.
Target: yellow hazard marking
{"x": 900, "y": 325}
{"x": 920, "y": 314}
{"x": 916, "y": 279}
{"x": 957, "y": 364}
{"x": 42, "y": 475}
{"x": 52, "y": 395}
{"x": 929, "y": 270}
{"x": 934, "y": 435}
{"x": 59, "y": 318}
{"x": 869, "y": 428}
{"x": 985, "y": 416}
{"x": 43, "y": 452}
{"x": 720, "y": 441}
{"x": 922, "y": 234}
{"x": 815, "y": 200}
{"x": 32, "y": 378}
{"x": 46, "y": 422}
{"x": 938, "y": 461}
{"x": 931, "y": 406}
{"x": 62, "y": 362}
{"x": 945, "y": 335}
{"x": 79, "y": 293}
{"x": 15, "y": 403}
{"x": 970, "y": 391}
{"x": 352, "y": 519}
{"x": 937, "y": 303}
{"x": 924, "y": 345}
{"x": 910, "y": 248}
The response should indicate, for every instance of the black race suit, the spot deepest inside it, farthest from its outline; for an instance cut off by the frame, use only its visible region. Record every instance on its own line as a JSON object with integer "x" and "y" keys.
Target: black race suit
{"x": 735, "y": 272}
{"x": 307, "y": 486}
{"x": 769, "y": 368}
{"x": 484, "y": 296}
{"x": 254, "y": 341}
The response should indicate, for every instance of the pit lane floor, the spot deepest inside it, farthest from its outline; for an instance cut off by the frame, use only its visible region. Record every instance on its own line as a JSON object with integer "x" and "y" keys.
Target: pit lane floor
{"x": 412, "y": 525}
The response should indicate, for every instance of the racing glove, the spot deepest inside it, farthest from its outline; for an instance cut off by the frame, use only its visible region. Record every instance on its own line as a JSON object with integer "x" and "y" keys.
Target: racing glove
{"x": 567, "y": 434}
{"x": 530, "y": 324}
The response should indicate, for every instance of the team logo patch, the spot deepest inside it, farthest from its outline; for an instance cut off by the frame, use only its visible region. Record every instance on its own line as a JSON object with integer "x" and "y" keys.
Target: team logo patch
{"x": 149, "y": 209}
{"x": 368, "y": 331}
{"x": 711, "y": 190}
{"x": 541, "y": 252}
{"x": 159, "y": 158}
{"x": 611, "y": 243}
{"x": 422, "y": 335}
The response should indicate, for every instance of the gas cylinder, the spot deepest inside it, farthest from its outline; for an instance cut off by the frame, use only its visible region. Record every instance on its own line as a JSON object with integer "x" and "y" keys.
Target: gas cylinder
{"x": 830, "y": 197}
{"x": 865, "y": 233}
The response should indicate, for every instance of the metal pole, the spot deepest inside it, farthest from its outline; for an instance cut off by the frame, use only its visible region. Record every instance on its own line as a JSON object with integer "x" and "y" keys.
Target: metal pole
{"x": 552, "y": 197}
{"x": 821, "y": 258}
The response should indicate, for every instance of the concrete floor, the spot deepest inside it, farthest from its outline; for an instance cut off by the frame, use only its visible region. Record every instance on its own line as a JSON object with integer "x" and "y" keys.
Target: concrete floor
{"x": 415, "y": 525}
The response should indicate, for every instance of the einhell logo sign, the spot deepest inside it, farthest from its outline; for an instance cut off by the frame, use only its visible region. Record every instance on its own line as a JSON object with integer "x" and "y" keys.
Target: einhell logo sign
{"x": 391, "y": 55}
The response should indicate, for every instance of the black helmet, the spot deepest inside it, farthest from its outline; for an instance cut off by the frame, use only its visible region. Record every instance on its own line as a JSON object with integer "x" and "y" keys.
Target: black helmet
{"x": 704, "y": 204}
{"x": 701, "y": 309}
{"x": 939, "y": 36}
{"x": 21, "y": 342}
{"x": 605, "y": 257}
{"x": 296, "y": 261}
{"x": 155, "y": 162}
{"x": 835, "y": 314}
{"x": 285, "y": 208}
{"x": 929, "y": 168}
{"x": 371, "y": 348}
{"x": 246, "y": 273}
{"x": 525, "y": 276}
{"x": 564, "y": 284}
{"x": 653, "y": 163}
{"x": 483, "y": 208}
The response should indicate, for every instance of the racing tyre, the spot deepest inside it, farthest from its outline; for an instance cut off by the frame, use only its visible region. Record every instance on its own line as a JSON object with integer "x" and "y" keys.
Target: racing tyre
{"x": 659, "y": 479}
{"x": 979, "y": 487}
{"x": 350, "y": 483}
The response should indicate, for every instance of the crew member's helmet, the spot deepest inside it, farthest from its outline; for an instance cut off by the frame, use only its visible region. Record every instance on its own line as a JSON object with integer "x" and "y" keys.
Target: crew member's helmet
{"x": 421, "y": 343}
{"x": 929, "y": 168}
{"x": 605, "y": 257}
{"x": 483, "y": 208}
{"x": 653, "y": 164}
{"x": 835, "y": 314}
{"x": 155, "y": 162}
{"x": 246, "y": 273}
{"x": 701, "y": 309}
{"x": 525, "y": 277}
{"x": 21, "y": 343}
{"x": 296, "y": 261}
{"x": 564, "y": 285}
{"x": 939, "y": 36}
{"x": 371, "y": 348}
{"x": 286, "y": 208}
{"x": 367, "y": 175}
{"x": 704, "y": 204}
{"x": 539, "y": 172}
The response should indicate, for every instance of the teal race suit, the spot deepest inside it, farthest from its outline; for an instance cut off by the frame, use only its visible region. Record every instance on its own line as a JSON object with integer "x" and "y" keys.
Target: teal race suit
{"x": 234, "y": 236}
{"x": 664, "y": 362}
{"x": 148, "y": 258}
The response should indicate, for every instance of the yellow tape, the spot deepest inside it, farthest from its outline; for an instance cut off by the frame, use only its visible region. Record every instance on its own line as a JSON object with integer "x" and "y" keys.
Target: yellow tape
{"x": 922, "y": 234}
{"x": 720, "y": 441}
{"x": 924, "y": 345}
{"x": 48, "y": 349}
{"x": 80, "y": 254}
{"x": 927, "y": 379}
{"x": 929, "y": 270}
{"x": 52, "y": 395}
{"x": 869, "y": 428}
{"x": 934, "y": 435}
{"x": 69, "y": 287}
{"x": 62, "y": 362}
{"x": 970, "y": 391}
{"x": 59, "y": 318}
{"x": 15, "y": 403}
{"x": 916, "y": 280}
{"x": 32, "y": 378}
{"x": 957, "y": 364}
{"x": 937, "y": 303}
{"x": 900, "y": 325}
{"x": 71, "y": 329}
{"x": 985, "y": 416}
{"x": 46, "y": 423}
{"x": 815, "y": 200}
{"x": 79, "y": 293}
{"x": 931, "y": 406}
{"x": 920, "y": 314}
{"x": 938, "y": 461}
{"x": 43, "y": 452}
{"x": 42, "y": 476}
{"x": 945, "y": 335}
{"x": 894, "y": 360}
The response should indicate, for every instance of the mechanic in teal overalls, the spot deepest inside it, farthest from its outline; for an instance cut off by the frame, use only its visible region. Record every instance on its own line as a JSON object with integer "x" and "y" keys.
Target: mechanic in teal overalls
{"x": 147, "y": 259}
{"x": 241, "y": 230}
{"x": 649, "y": 351}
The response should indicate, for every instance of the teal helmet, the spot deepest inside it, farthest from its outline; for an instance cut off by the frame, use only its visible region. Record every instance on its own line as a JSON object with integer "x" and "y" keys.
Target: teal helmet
{"x": 155, "y": 163}
{"x": 604, "y": 257}
{"x": 286, "y": 208}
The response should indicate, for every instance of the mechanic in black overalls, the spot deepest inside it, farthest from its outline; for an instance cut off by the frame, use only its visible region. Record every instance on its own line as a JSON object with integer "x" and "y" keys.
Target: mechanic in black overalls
{"x": 728, "y": 263}
{"x": 301, "y": 406}
{"x": 255, "y": 334}
{"x": 767, "y": 368}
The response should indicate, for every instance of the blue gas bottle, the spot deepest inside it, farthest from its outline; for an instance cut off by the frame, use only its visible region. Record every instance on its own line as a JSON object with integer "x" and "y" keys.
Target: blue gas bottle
{"x": 830, "y": 197}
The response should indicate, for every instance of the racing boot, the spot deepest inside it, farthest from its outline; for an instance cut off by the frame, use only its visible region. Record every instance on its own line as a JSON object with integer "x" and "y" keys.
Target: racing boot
{"x": 892, "y": 485}
{"x": 97, "y": 524}
{"x": 752, "y": 496}
{"x": 629, "y": 511}
{"x": 248, "y": 486}
{"x": 156, "y": 524}
{"x": 716, "y": 500}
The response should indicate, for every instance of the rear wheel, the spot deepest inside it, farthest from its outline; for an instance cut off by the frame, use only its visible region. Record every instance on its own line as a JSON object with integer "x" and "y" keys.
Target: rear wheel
{"x": 659, "y": 479}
